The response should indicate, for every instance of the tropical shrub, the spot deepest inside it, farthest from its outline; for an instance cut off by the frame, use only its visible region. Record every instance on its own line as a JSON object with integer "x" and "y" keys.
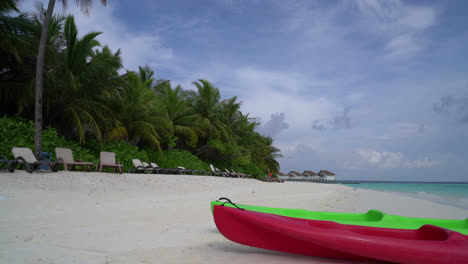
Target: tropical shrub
{"x": 253, "y": 170}
{"x": 17, "y": 132}
{"x": 175, "y": 158}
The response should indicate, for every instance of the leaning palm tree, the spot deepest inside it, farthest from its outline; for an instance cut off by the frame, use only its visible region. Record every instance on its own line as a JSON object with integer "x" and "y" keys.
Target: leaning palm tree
{"x": 85, "y": 6}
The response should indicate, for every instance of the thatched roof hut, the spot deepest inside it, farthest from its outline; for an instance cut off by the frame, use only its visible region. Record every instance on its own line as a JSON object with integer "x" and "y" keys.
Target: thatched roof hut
{"x": 294, "y": 173}
{"x": 326, "y": 173}
{"x": 309, "y": 173}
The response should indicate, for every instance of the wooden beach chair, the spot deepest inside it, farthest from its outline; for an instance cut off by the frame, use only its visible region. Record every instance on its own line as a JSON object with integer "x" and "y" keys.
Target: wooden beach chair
{"x": 65, "y": 155}
{"x": 10, "y": 164}
{"x": 107, "y": 160}
{"x": 31, "y": 163}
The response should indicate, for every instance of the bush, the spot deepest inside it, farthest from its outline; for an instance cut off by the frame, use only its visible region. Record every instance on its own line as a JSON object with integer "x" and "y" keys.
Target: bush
{"x": 175, "y": 158}
{"x": 253, "y": 170}
{"x": 17, "y": 132}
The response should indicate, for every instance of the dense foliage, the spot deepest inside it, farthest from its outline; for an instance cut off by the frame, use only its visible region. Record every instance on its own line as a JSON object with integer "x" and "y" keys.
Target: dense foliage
{"x": 90, "y": 107}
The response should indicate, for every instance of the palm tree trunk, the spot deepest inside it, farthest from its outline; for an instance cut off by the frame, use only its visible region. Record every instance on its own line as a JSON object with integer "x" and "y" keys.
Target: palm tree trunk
{"x": 40, "y": 79}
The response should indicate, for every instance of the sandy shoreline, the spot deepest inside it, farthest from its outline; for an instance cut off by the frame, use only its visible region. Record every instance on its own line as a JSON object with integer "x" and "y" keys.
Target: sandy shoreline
{"x": 77, "y": 217}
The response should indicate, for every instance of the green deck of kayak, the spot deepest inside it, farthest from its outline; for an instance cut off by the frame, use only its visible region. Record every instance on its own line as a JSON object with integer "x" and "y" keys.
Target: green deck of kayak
{"x": 374, "y": 218}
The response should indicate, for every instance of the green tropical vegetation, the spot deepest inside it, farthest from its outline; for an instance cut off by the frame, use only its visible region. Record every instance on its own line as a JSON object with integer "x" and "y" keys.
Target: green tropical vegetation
{"x": 89, "y": 105}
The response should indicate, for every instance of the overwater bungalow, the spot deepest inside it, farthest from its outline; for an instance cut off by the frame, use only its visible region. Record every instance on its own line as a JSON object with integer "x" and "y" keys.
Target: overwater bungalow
{"x": 327, "y": 175}
{"x": 283, "y": 176}
{"x": 323, "y": 176}
{"x": 310, "y": 174}
{"x": 294, "y": 174}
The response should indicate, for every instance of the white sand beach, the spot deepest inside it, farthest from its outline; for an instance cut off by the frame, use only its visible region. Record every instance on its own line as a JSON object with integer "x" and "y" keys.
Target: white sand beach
{"x": 77, "y": 217}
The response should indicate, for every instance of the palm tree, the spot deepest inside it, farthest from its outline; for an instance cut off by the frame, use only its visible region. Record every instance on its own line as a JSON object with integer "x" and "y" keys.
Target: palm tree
{"x": 81, "y": 77}
{"x": 265, "y": 154}
{"x": 16, "y": 34}
{"x": 137, "y": 117}
{"x": 206, "y": 102}
{"x": 19, "y": 38}
{"x": 85, "y": 6}
{"x": 183, "y": 117}
{"x": 146, "y": 75}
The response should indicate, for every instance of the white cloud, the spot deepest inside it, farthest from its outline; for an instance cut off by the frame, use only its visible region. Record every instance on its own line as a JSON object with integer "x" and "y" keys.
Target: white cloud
{"x": 386, "y": 16}
{"x": 355, "y": 97}
{"x": 138, "y": 48}
{"x": 402, "y": 46}
{"x": 407, "y": 129}
{"x": 403, "y": 130}
{"x": 401, "y": 24}
{"x": 273, "y": 126}
{"x": 419, "y": 18}
{"x": 265, "y": 92}
{"x": 388, "y": 160}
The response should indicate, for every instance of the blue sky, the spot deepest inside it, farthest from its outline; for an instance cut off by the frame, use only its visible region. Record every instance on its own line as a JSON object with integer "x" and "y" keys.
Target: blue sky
{"x": 372, "y": 90}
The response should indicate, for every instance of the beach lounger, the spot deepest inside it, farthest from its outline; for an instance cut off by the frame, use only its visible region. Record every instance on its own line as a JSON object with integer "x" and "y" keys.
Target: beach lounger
{"x": 223, "y": 173}
{"x": 231, "y": 174}
{"x": 107, "y": 160}
{"x": 165, "y": 170}
{"x": 139, "y": 167}
{"x": 216, "y": 172}
{"x": 242, "y": 175}
{"x": 151, "y": 168}
{"x": 10, "y": 164}
{"x": 26, "y": 156}
{"x": 237, "y": 174}
{"x": 65, "y": 155}
{"x": 188, "y": 171}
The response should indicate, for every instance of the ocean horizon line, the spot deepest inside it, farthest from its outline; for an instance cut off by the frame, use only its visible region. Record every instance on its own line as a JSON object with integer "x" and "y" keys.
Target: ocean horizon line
{"x": 368, "y": 181}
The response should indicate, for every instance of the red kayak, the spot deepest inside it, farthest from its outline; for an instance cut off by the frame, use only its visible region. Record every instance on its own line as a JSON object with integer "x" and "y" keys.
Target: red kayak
{"x": 428, "y": 244}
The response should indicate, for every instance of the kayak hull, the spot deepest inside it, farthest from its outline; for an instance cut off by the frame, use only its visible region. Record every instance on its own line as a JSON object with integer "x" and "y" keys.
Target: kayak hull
{"x": 429, "y": 244}
{"x": 373, "y": 218}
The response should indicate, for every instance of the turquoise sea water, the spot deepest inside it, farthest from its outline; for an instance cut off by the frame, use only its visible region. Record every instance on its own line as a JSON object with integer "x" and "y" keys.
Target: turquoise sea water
{"x": 454, "y": 194}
